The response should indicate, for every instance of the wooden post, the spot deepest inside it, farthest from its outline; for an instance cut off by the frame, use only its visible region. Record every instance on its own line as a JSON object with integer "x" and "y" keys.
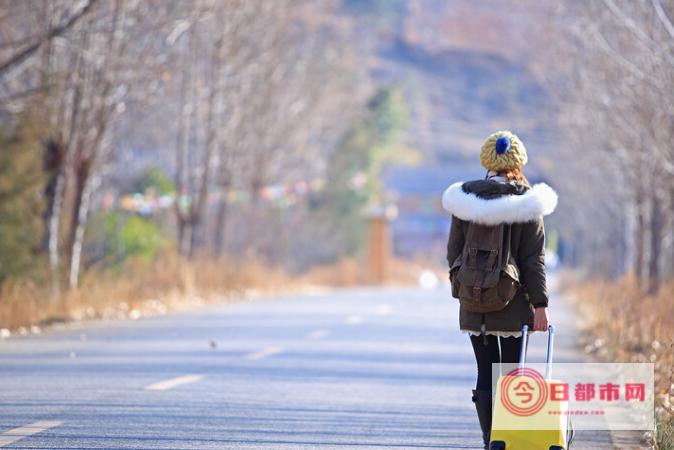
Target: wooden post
{"x": 379, "y": 249}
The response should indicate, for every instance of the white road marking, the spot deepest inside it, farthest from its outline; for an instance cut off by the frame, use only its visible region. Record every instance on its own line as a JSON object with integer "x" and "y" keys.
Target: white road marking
{"x": 384, "y": 310}
{"x": 173, "y": 382}
{"x": 11, "y": 436}
{"x": 353, "y": 320}
{"x": 267, "y": 351}
{"x": 318, "y": 334}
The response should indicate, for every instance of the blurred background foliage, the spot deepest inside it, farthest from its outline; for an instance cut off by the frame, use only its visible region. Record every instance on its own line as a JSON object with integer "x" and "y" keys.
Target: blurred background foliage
{"x": 156, "y": 181}
{"x": 21, "y": 202}
{"x": 274, "y": 130}
{"x": 132, "y": 236}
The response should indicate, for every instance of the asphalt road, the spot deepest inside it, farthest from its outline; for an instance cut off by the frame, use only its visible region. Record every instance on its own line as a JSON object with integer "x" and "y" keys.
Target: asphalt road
{"x": 369, "y": 368}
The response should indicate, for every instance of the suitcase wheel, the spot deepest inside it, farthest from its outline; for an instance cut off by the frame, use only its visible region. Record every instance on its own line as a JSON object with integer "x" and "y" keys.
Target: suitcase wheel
{"x": 497, "y": 445}
{"x": 556, "y": 447}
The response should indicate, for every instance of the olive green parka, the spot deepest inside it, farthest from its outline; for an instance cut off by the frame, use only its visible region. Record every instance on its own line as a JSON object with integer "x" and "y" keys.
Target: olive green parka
{"x": 521, "y": 208}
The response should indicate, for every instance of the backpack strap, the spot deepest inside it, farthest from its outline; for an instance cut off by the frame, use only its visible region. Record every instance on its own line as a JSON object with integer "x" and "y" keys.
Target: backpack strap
{"x": 471, "y": 262}
{"x": 505, "y": 254}
{"x": 491, "y": 259}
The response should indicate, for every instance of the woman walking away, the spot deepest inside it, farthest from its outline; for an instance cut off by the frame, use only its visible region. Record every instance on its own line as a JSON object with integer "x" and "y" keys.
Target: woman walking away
{"x": 496, "y": 255}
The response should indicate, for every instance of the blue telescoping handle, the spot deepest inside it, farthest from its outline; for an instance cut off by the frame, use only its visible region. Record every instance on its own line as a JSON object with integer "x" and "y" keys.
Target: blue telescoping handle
{"x": 548, "y": 357}
{"x": 523, "y": 349}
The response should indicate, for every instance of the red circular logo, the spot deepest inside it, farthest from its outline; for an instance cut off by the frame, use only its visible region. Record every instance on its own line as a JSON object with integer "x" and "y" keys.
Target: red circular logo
{"x": 524, "y": 392}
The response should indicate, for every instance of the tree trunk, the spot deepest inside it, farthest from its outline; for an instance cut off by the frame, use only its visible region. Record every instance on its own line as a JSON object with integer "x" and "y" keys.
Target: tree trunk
{"x": 181, "y": 235}
{"x": 81, "y": 172}
{"x": 628, "y": 237}
{"x": 193, "y": 242}
{"x": 200, "y": 200}
{"x": 181, "y": 178}
{"x": 69, "y": 135}
{"x": 78, "y": 238}
{"x": 53, "y": 233}
{"x": 53, "y": 159}
{"x": 639, "y": 236}
{"x": 184, "y": 236}
{"x": 656, "y": 226}
{"x": 671, "y": 232}
{"x": 74, "y": 223}
{"x": 220, "y": 224}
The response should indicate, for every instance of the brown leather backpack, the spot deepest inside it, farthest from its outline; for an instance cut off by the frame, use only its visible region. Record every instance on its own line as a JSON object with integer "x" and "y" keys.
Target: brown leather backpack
{"x": 485, "y": 277}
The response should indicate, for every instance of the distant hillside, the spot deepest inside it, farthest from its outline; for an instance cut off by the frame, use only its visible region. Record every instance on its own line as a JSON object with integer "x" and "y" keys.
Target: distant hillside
{"x": 467, "y": 70}
{"x": 466, "y": 93}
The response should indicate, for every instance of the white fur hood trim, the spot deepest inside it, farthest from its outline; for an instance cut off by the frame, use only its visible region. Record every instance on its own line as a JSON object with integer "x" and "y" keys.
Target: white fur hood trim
{"x": 535, "y": 203}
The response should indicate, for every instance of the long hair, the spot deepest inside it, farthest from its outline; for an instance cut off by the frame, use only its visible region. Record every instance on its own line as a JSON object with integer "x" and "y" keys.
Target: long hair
{"x": 515, "y": 175}
{"x": 510, "y": 175}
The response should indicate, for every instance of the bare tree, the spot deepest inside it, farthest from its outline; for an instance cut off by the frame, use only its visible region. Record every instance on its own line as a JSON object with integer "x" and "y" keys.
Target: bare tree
{"x": 252, "y": 93}
{"x": 619, "y": 106}
{"x": 66, "y": 23}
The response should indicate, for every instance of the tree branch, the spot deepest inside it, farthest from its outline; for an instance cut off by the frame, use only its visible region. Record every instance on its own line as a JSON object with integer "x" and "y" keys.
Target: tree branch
{"x": 637, "y": 31}
{"x": 662, "y": 15}
{"x": 24, "y": 54}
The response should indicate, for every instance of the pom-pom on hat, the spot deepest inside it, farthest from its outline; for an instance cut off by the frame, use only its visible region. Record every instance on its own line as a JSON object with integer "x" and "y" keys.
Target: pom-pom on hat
{"x": 503, "y": 151}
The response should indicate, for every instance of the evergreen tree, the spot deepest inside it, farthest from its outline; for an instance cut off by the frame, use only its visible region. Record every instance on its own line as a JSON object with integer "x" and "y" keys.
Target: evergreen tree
{"x": 353, "y": 181}
{"x": 21, "y": 200}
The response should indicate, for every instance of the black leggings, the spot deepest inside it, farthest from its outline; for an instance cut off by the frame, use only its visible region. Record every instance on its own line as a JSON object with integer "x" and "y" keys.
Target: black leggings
{"x": 488, "y": 354}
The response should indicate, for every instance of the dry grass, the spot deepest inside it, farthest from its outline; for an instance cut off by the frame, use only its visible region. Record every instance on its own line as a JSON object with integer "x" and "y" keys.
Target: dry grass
{"x": 626, "y": 325}
{"x": 171, "y": 284}
{"x": 141, "y": 288}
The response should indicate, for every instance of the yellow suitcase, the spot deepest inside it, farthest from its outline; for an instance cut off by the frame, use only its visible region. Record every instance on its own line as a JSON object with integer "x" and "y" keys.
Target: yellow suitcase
{"x": 542, "y": 425}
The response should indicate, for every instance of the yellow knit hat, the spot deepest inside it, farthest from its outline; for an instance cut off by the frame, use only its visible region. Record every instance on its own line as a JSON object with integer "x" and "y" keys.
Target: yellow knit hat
{"x": 503, "y": 151}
